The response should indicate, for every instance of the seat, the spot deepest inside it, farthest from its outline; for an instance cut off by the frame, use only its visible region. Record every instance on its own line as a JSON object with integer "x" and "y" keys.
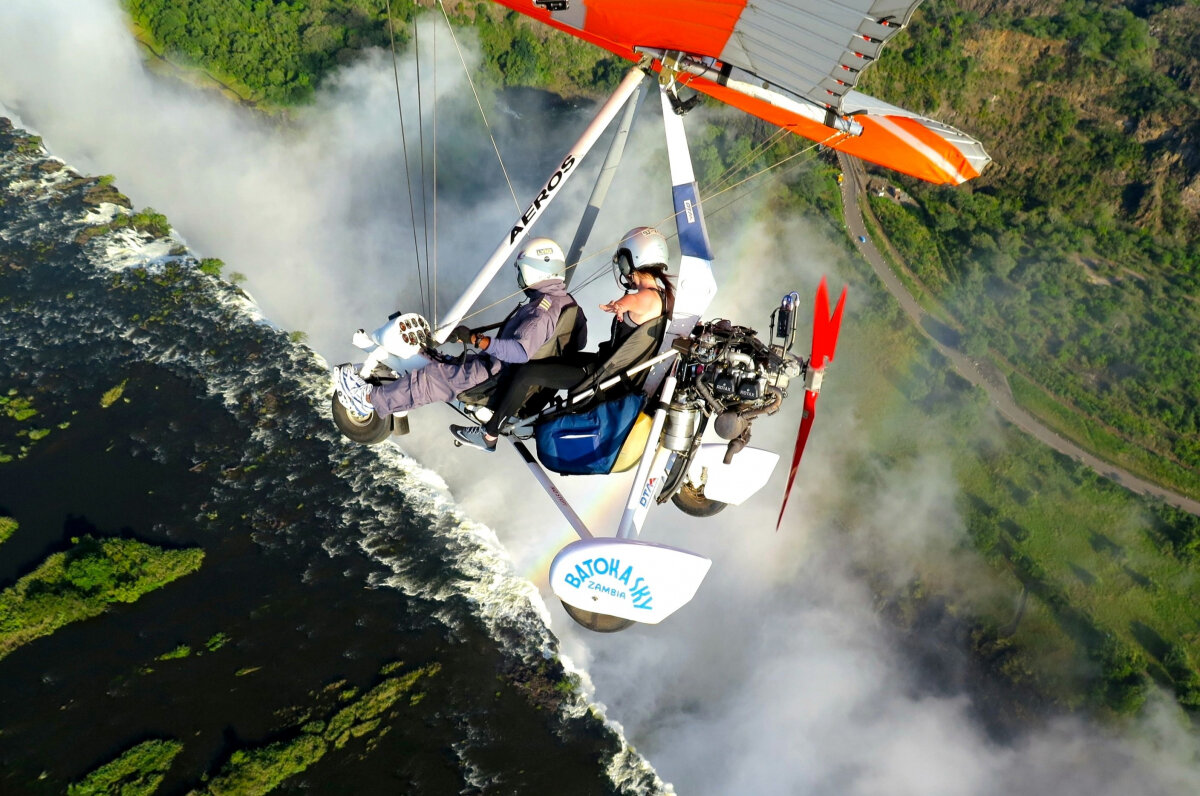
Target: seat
{"x": 639, "y": 347}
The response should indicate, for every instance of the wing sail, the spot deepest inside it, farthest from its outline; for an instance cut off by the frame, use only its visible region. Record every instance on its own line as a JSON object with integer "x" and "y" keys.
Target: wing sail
{"x": 814, "y": 48}
{"x": 794, "y": 63}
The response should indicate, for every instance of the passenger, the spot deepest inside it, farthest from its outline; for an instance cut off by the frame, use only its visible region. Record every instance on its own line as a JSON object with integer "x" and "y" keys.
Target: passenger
{"x": 541, "y": 272}
{"x": 640, "y": 264}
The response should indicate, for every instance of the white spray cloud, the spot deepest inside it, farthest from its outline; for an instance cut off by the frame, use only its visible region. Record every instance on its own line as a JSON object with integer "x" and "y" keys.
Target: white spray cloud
{"x": 779, "y": 678}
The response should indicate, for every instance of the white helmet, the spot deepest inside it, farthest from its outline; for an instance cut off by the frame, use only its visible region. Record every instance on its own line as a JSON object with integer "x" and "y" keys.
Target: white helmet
{"x": 640, "y": 247}
{"x": 541, "y": 259}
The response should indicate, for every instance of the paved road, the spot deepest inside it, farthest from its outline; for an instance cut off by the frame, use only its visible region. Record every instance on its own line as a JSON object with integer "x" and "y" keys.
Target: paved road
{"x": 984, "y": 376}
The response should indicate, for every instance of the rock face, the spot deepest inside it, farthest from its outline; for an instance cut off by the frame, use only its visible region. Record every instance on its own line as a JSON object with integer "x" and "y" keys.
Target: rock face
{"x": 1189, "y": 197}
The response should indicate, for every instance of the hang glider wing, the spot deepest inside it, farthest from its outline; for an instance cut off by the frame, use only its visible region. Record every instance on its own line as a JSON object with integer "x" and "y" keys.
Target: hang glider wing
{"x": 793, "y": 63}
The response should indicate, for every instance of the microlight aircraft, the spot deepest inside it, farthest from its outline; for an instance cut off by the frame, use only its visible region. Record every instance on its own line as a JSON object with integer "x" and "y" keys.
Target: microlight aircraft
{"x": 793, "y": 63}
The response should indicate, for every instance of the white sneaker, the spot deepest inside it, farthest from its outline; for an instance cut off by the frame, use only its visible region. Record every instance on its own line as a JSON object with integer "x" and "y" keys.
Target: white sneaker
{"x": 352, "y": 391}
{"x": 472, "y": 436}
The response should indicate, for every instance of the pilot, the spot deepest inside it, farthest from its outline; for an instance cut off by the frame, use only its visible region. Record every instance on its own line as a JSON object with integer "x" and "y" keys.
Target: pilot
{"x": 541, "y": 273}
{"x": 640, "y": 266}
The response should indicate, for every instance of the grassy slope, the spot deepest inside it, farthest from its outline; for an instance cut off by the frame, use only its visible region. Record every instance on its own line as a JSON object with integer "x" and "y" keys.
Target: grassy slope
{"x": 1092, "y": 555}
{"x": 1076, "y": 257}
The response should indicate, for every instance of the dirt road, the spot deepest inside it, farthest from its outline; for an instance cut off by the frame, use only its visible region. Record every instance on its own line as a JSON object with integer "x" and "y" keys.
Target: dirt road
{"x": 983, "y": 376}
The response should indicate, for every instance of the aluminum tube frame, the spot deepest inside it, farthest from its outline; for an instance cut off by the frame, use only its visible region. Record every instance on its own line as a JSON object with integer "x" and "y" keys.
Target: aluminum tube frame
{"x": 603, "y": 181}
{"x": 560, "y": 501}
{"x": 801, "y": 106}
{"x": 549, "y": 191}
{"x": 641, "y": 493}
{"x": 695, "y": 286}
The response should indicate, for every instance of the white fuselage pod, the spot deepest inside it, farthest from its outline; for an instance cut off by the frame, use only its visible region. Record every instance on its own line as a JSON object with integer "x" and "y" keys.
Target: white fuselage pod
{"x": 627, "y": 578}
{"x": 735, "y": 482}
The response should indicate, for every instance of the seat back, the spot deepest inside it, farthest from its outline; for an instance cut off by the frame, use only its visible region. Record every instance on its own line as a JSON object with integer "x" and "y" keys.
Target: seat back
{"x": 642, "y": 344}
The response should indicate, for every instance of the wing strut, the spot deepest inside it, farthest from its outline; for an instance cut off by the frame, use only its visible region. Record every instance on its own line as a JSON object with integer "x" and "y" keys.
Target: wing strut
{"x": 552, "y": 188}
{"x": 559, "y": 499}
{"x": 824, "y": 343}
{"x": 603, "y": 180}
{"x": 651, "y": 468}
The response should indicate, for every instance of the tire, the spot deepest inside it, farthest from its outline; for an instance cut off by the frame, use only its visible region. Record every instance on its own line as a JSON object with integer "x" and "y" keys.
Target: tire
{"x": 690, "y": 500}
{"x": 371, "y": 431}
{"x": 600, "y": 623}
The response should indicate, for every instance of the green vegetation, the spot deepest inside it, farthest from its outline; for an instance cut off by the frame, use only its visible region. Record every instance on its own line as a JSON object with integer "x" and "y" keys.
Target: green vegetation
{"x": 113, "y": 395}
{"x": 276, "y": 54}
{"x": 104, "y": 191}
{"x": 8, "y": 526}
{"x": 519, "y": 52}
{"x": 148, "y": 221}
{"x": 314, "y": 731}
{"x": 17, "y": 407}
{"x": 211, "y": 266}
{"x": 913, "y": 239}
{"x": 82, "y": 582}
{"x": 15, "y": 412}
{"x": 262, "y": 769}
{"x": 1109, "y": 577}
{"x": 1097, "y": 437}
{"x": 182, "y": 651}
{"x": 137, "y": 772}
{"x": 29, "y": 145}
{"x": 268, "y": 52}
{"x": 1076, "y": 256}
{"x": 216, "y": 641}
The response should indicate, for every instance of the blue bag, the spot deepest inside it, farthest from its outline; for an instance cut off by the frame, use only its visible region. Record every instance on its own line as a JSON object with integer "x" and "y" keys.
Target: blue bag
{"x": 587, "y": 443}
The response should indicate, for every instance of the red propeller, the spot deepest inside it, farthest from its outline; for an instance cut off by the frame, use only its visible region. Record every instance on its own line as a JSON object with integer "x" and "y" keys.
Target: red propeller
{"x": 824, "y": 342}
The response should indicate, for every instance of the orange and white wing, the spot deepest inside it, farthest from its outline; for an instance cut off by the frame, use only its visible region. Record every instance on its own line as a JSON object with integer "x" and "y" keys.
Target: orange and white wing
{"x": 793, "y": 63}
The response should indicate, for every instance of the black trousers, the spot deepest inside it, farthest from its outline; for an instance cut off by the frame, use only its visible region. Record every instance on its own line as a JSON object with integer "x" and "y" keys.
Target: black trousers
{"x": 520, "y": 381}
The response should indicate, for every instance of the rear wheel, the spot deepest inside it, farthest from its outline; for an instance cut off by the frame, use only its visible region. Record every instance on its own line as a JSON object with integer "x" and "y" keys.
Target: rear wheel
{"x": 691, "y": 500}
{"x": 370, "y": 430}
{"x": 600, "y": 623}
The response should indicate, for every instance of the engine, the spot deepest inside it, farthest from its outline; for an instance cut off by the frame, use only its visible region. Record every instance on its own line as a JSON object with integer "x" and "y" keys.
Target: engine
{"x": 729, "y": 375}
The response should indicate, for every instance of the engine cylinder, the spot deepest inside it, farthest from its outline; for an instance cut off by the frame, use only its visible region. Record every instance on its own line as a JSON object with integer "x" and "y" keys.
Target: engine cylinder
{"x": 680, "y": 427}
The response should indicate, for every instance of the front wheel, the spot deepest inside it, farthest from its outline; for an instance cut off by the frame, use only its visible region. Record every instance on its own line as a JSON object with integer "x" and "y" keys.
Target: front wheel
{"x": 370, "y": 430}
{"x": 690, "y": 500}
{"x": 600, "y": 623}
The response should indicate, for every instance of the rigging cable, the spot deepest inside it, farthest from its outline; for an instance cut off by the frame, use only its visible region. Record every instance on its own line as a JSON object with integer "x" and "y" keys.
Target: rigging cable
{"x": 407, "y": 169}
{"x": 479, "y": 104}
{"x": 835, "y": 135}
{"x": 600, "y": 269}
{"x": 430, "y": 266}
{"x": 748, "y": 158}
{"x": 435, "y": 140}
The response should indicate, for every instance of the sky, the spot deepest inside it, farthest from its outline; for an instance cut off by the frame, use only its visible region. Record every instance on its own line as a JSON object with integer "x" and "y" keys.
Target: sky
{"x": 780, "y": 677}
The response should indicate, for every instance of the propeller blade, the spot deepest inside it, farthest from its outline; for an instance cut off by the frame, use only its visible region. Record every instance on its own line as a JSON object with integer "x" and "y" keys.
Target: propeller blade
{"x": 810, "y": 410}
{"x": 824, "y": 344}
{"x": 825, "y": 327}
